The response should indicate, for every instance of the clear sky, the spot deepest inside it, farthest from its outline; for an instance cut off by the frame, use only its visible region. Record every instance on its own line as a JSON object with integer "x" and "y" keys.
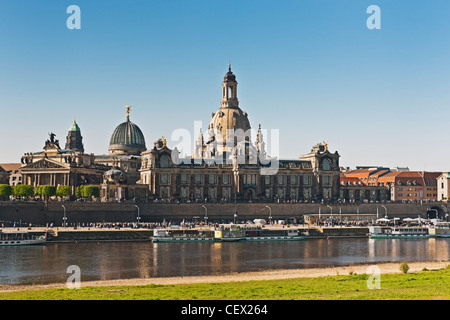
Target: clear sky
{"x": 311, "y": 69}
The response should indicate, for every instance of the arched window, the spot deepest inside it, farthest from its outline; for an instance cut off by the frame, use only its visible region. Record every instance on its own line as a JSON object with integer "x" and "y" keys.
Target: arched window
{"x": 164, "y": 162}
{"x": 326, "y": 165}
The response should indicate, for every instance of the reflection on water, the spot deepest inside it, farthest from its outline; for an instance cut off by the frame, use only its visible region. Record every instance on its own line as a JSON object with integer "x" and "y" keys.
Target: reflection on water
{"x": 116, "y": 260}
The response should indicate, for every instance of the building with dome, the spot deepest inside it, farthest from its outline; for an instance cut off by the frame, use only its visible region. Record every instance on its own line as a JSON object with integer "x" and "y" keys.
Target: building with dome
{"x": 125, "y": 147}
{"x": 121, "y": 181}
{"x": 62, "y": 166}
{"x": 228, "y": 166}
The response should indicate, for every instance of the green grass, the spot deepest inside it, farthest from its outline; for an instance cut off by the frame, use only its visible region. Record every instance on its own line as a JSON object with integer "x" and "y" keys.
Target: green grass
{"x": 428, "y": 285}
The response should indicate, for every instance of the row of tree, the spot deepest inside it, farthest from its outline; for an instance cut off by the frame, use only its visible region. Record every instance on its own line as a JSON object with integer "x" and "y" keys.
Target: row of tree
{"x": 47, "y": 191}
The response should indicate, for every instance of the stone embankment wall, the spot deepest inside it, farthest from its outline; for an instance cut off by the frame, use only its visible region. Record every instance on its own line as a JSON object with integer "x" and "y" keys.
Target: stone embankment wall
{"x": 53, "y": 212}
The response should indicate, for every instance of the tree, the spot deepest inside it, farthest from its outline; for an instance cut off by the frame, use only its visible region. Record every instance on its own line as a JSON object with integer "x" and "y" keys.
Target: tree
{"x": 45, "y": 191}
{"x": 23, "y": 190}
{"x": 91, "y": 191}
{"x": 79, "y": 192}
{"x": 48, "y": 191}
{"x": 5, "y": 191}
{"x": 63, "y": 191}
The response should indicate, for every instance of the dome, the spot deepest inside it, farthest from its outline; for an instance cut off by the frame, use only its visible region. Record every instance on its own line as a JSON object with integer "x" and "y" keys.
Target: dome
{"x": 229, "y": 119}
{"x": 229, "y": 76}
{"x": 127, "y": 138}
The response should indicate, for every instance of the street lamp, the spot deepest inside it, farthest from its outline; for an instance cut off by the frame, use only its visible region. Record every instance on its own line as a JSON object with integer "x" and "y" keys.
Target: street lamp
{"x": 270, "y": 214}
{"x": 138, "y": 216}
{"x": 331, "y": 209}
{"x": 331, "y": 216}
{"x": 385, "y": 211}
{"x": 206, "y": 215}
{"x": 64, "y": 218}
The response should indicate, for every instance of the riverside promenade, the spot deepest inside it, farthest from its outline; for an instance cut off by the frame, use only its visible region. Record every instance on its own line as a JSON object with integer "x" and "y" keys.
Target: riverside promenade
{"x": 40, "y": 213}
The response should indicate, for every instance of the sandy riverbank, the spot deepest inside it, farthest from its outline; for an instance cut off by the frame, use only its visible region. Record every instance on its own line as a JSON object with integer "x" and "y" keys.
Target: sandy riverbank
{"x": 245, "y": 276}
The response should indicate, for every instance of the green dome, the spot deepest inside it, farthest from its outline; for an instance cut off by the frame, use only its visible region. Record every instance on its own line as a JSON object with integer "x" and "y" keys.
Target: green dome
{"x": 127, "y": 138}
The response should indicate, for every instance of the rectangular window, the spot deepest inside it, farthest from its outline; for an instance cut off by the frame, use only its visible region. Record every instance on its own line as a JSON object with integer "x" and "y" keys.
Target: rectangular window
{"x": 294, "y": 180}
{"x": 198, "y": 193}
{"x": 198, "y": 178}
{"x": 267, "y": 193}
{"x": 184, "y": 178}
{"x": 212, "y": 194}
{"x": 249, "y": 179}
{"x": 184, "y": 192}
{"x": 280, "y": 179}
{"x": 226, "y": 193}
{"x": 293, "y": 193}
{"x": 226, "y": 179}
{"x": 326, "y": 180}
{"x": 164, "y": 178}
{"x": 212, "y": 179}
{"x": 307, "y": 180}
{"x": 267, "y": 180}
{"x": 280, "y": 193}
{"x": 306, "y": 194}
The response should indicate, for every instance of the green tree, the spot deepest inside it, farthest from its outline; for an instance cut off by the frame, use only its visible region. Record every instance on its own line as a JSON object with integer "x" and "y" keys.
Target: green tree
{"x": 5, "y": 191}
{"x": 45, "y": 191}
{"x": 63, "y": 191}
{"x": 79, "y": 192}
{"x": 23, "y": 190}
{"x": 38, "y": 191}
{"x": 48, "y": 191}
{"x": 91, "y": 191}
{"x": 404, "y": 267}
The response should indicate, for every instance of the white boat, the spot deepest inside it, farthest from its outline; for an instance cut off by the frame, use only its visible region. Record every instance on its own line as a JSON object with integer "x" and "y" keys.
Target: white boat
{"x": 19, "y": 238}
{"x": 377, "y": 232}
{"x": 181, "y": 235}
{"x": 229, "y": 235}
{"x": 274, "y": 235}
{"x": 440, "y": 229}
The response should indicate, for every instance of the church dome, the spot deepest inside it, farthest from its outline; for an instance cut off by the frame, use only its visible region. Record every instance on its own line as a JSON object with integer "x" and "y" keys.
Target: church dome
{"x": 127, "y": 138}
{"x": 229, "y": 124}
{"x": 229, "y": 119}
{"x": 229, "y": 76}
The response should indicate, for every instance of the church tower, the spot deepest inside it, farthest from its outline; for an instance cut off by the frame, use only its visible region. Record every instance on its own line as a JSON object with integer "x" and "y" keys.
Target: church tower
{"x": 229, "y": 90}
{"x": 229, "y": 125}
{"x": 74, "y": 138}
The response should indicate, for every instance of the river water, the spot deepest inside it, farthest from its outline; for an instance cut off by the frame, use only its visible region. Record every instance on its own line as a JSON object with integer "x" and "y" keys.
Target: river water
{"x": 123, "y": 260}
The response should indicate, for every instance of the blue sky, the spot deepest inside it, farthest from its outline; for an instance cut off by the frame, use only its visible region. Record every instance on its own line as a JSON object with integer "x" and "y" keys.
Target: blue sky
{"x": 311, "y": 69}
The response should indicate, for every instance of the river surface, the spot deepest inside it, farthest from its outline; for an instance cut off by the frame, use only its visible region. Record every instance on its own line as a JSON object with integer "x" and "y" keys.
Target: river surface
{"x": 123, "y": 260}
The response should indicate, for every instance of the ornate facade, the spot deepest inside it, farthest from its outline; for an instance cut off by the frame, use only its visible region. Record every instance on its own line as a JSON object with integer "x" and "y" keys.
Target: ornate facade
{"x": 57, "y": 166}
{"x": 229, "y": 167}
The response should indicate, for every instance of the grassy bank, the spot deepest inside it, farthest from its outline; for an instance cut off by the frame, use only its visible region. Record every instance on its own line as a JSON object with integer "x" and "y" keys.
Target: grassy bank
{"x": 427, "y": 284}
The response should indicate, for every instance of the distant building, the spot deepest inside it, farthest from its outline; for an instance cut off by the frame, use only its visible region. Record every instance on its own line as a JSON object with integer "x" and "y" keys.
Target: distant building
{"x": 443, "y": 188}
{"x": 13, "y": 172}
{"x": 56, "y": 166}
{"x": 4, "y": 176}
{"x": 411, "y": 186}
{"x": 362, "y": 185}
